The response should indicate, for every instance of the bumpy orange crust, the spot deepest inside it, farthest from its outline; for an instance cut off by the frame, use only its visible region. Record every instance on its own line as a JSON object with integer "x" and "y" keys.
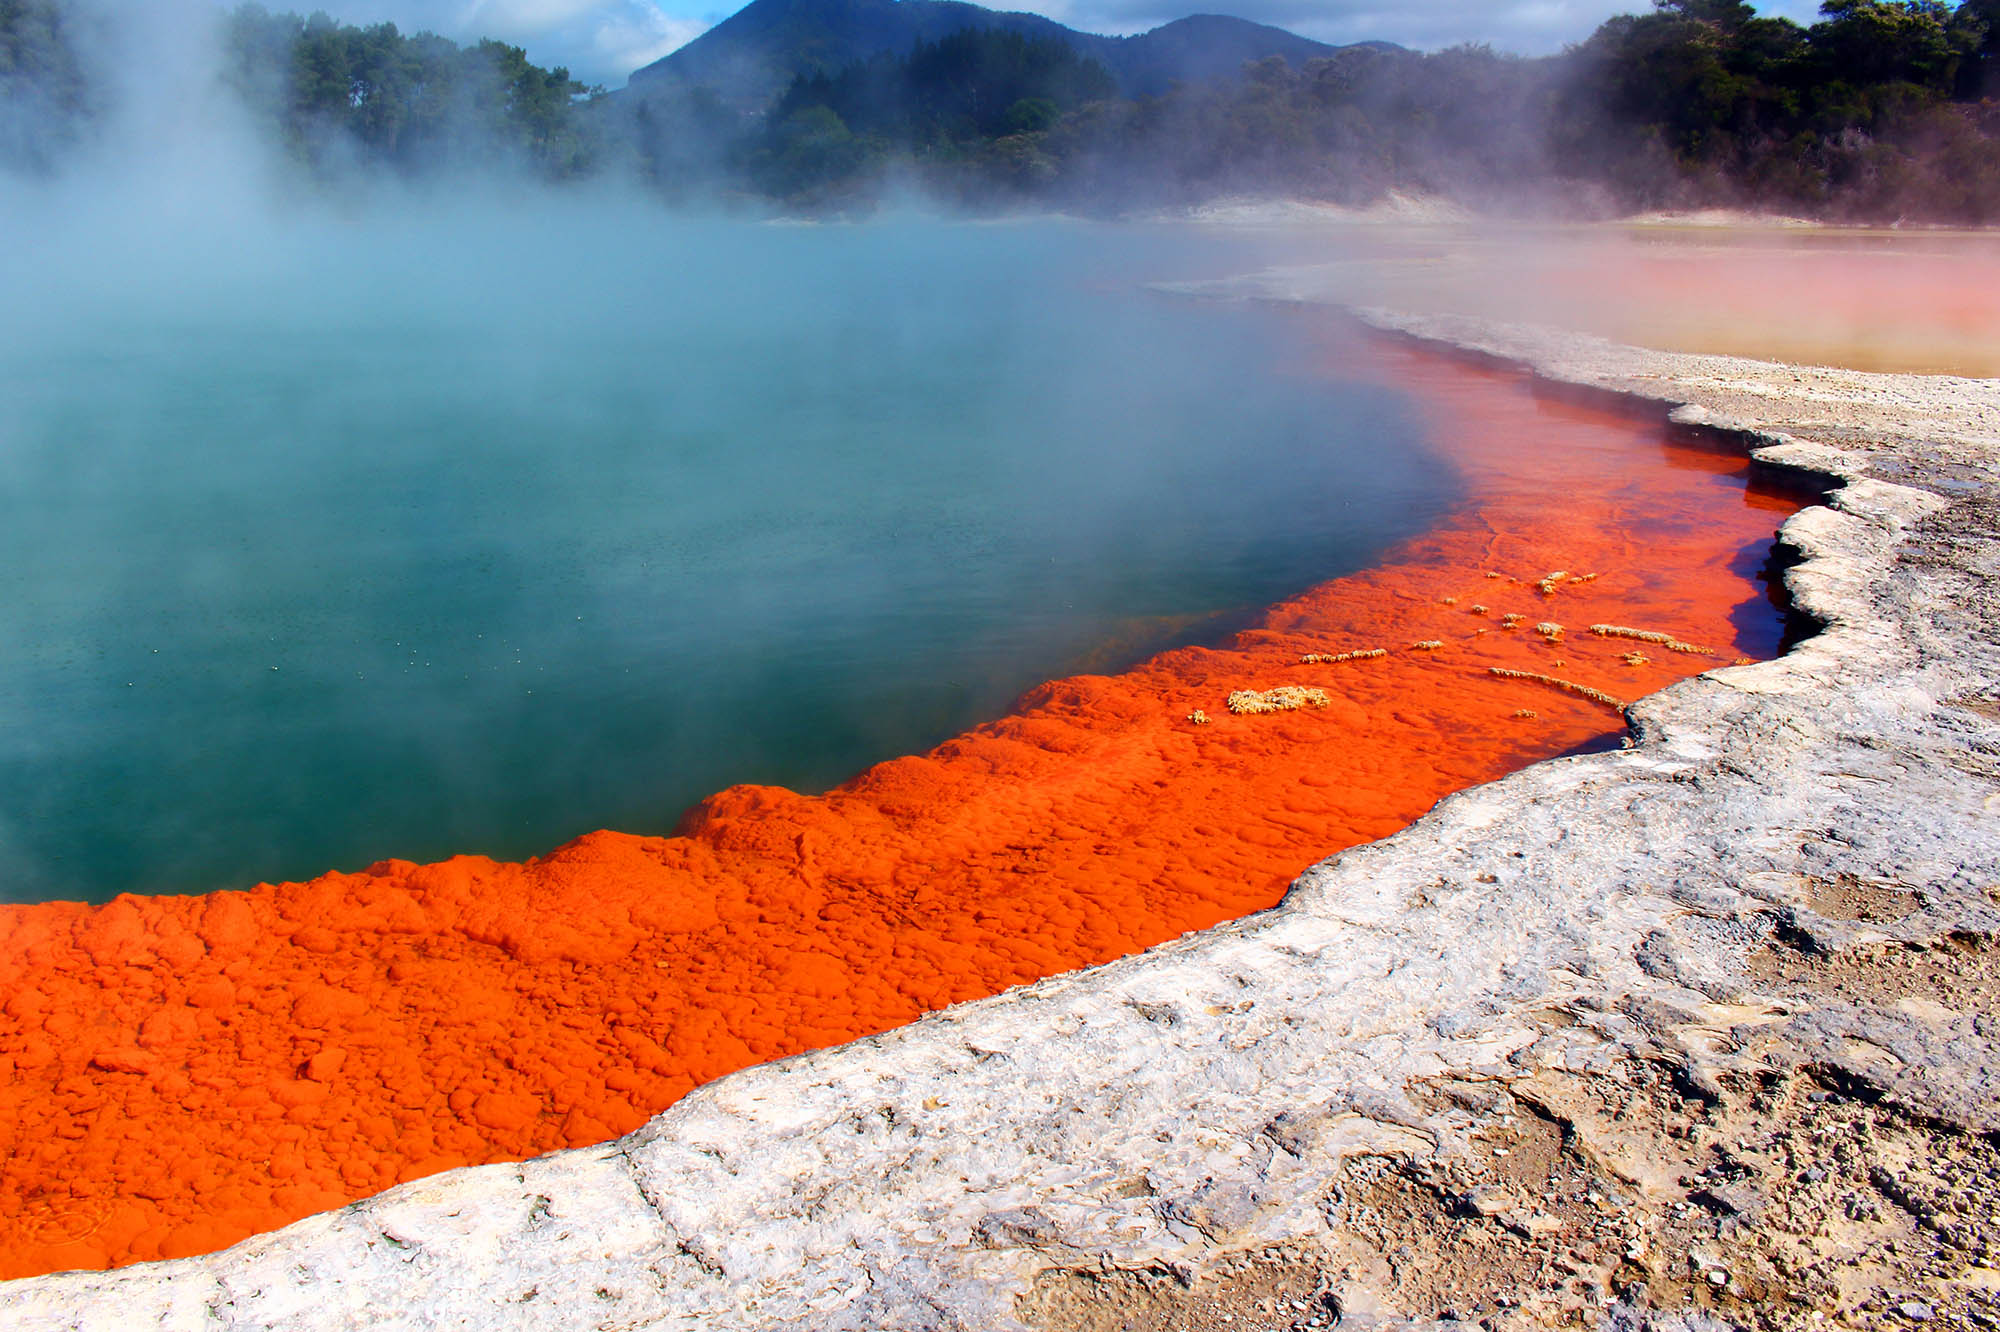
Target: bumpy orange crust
{"x": 178, "y": 1073}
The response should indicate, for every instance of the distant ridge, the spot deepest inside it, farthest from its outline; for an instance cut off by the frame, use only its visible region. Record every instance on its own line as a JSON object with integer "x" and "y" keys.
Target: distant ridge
{"x": 1199, "y": 48}
{"x": 751, "y": 56}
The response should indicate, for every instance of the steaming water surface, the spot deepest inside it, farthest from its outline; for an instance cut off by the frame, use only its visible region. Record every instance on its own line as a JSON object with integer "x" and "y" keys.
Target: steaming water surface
{"x": 338, "y": 542}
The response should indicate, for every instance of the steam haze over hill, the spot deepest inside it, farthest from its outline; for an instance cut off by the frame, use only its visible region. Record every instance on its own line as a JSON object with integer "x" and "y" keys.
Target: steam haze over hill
{"x": 1882, "y": 110}
{"x": 749, "y": 57}
{"x": 603, "y": 41}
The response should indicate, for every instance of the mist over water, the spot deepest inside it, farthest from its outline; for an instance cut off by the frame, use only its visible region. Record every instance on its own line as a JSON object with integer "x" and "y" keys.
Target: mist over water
{"x": 437, "y": 529}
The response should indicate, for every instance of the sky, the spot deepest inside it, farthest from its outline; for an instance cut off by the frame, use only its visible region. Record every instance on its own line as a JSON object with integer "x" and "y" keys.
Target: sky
{"x": 601, "y": 41}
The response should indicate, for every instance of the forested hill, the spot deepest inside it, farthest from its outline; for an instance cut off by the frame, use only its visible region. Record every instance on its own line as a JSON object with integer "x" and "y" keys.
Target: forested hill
{"x": 1882, "y": 110}
{"x": 751, "y": 56}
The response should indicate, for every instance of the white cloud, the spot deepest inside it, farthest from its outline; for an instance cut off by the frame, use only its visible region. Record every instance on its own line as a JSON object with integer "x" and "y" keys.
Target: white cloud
{"x": 625, "y": 44}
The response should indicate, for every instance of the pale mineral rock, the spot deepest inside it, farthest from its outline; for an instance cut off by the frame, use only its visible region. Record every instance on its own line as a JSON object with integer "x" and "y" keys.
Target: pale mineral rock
{"x": 1618, "y": 969}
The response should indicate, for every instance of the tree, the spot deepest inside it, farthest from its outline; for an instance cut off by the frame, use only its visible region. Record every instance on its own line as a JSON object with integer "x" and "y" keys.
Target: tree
{"x": 412, "y": 103}
{"x": 1723, "y": 15}
{"x": 1872, "y": 43}
{"x": 1978, "y": 24}
{"x": 45, "y": 102}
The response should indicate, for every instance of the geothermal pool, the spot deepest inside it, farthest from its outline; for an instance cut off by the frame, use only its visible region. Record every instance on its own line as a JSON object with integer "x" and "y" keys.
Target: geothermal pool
{"x": 327, "y": 543}
{"x": 1425, "y": 545}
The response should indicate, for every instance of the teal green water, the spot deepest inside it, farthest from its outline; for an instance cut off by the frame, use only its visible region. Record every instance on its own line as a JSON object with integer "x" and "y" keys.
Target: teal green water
{"x": 336, "y": 542}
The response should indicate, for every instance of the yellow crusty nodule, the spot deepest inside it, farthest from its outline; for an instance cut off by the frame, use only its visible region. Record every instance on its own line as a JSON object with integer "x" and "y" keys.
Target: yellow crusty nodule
{"x": 1360, "y": 654}
{"x": 1285, "y": 698}
{"x": 1667, "y": 641}
{"x": 1567, "y": 686}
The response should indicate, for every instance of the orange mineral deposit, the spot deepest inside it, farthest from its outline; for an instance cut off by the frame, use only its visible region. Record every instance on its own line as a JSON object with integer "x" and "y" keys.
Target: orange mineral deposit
{"x": 178, "y": 1073}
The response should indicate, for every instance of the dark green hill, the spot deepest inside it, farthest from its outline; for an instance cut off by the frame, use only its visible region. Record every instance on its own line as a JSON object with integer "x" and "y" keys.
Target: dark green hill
{"x": 1197, "y": 49}
{"x": 752, "y": 56}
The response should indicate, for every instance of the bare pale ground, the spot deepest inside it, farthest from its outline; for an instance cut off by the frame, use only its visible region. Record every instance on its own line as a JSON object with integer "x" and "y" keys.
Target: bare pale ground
{"x": 1696, "y": 1034}
{"x": 1633, "y": 1199}
{"x": 1918, "y": 301}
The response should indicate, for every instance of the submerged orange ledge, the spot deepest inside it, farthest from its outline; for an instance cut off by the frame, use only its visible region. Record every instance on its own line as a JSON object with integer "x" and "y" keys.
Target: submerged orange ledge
{"x": 179, "y": 1073}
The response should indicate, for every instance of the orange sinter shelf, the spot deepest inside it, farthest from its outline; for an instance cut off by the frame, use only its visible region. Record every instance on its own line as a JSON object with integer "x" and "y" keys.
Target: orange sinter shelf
{"x": 177, "y": 1073}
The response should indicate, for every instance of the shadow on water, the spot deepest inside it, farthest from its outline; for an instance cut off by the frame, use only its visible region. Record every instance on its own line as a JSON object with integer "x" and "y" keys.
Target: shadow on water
{"x": 1597, "y": 744}
{"x": 1770, "y": 625}
{"x": 1767, "y": 624}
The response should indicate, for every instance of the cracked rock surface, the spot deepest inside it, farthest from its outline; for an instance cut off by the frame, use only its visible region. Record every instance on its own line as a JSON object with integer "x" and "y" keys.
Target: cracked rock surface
{"x": 1694, "y": 1034}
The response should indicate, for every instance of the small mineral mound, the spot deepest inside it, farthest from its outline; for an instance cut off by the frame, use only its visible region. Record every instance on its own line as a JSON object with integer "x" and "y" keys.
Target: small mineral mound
{"x": 1360, "y": 654}
{"x": 1285, "y": 698}
{"x": 1667, "y": 641}
{"x": 1567, "y": 686}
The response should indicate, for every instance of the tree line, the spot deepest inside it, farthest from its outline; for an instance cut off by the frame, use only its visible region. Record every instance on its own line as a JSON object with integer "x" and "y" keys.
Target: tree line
{"x": 335, "y": 95}
{"x": 1882, "y": 109}
{"x": 1877, "y": 109}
